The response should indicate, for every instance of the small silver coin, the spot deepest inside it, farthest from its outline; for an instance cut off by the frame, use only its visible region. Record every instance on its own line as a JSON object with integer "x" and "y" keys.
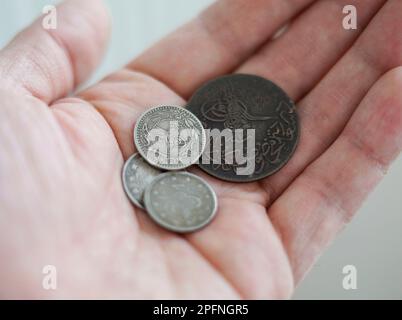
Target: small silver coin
{"x": 169, "y": 137}
{"x": 137, "y": 175}
{"x": 180, "y": 202}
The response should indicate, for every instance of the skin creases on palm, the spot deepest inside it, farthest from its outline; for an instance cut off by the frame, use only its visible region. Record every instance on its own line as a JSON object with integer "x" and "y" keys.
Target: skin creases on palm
{"x": 61, "y": 197}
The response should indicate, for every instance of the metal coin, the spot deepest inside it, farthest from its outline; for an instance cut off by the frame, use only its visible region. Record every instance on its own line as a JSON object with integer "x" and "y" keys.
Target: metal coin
{"x": 246, "y": 102}
{"x": 169, "y": 137}
{"x": 180, "y": 202}
{"x": 137, "y": 175}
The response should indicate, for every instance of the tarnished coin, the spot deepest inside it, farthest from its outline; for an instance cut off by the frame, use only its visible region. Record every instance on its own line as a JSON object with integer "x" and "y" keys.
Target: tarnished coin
{"x": 137, "y": 174}
{"x": 260, "y": 118}
{"x": 169, "y": 137}
{"x": 180, "y": 201}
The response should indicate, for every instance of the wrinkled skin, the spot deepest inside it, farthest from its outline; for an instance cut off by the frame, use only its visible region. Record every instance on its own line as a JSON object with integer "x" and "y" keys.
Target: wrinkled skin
{"x": 61, "y": 197}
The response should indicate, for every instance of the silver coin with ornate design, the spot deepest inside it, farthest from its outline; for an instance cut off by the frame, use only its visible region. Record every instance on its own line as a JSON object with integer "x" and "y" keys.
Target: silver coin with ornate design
{"x": 137, "y": 175}
{"x": 180, "y": 201}
{"x": 169, "y": 137}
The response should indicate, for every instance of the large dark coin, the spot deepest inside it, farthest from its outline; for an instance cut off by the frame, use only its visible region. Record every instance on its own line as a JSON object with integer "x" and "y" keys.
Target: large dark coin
{"x": 245, "y": 102}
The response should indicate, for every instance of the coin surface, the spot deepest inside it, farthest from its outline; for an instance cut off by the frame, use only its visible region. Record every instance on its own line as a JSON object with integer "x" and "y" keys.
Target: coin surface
{"x": 169, "y": 137}
{"x": 137, "y": 175}
{"x": 246, "y": 102}
{"x": 180, "y": 201}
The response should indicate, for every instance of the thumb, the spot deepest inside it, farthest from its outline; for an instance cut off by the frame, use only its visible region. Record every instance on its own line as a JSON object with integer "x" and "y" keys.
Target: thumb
{"x": 48, "y": 63}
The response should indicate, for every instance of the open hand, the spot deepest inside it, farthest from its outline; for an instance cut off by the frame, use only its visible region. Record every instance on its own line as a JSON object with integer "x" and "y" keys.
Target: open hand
{"x": 61, "y": 198}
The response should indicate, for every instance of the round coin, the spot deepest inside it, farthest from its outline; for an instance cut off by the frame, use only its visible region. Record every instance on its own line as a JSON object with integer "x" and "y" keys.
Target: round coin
{"x": 253, "y": 105}
{"x": 180, "y": 202}
{"x": 169, "y": 137}
{"x": 137, "y": 175}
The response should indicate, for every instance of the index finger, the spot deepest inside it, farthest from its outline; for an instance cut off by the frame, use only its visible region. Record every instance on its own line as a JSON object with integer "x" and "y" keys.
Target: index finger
{"x": 215, "y": 42}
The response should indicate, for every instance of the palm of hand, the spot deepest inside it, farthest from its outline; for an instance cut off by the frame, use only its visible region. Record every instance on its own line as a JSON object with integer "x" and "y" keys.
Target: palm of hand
{"x": 61, "y": 161}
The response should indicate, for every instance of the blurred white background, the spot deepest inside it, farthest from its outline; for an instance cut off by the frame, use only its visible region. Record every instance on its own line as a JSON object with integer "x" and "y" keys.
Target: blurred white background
{"x": 372, "y": 242}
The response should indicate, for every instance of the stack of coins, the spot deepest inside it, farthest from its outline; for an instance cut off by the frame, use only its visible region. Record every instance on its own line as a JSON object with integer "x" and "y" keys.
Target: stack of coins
{"x": 244, "y": 128}
{"x": 170, "y": 139}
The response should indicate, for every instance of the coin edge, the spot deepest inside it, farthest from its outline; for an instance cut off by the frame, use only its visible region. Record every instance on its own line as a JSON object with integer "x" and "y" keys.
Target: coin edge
{"x": 126, "y": 189}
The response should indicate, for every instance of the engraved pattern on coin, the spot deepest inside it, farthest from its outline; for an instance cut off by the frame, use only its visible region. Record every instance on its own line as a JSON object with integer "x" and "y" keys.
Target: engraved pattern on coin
{"x": 180, "y": 201}
{"x": 137, "y": 175}
{"x": 248, "y": 102}
{"x": 161, "y": 118}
